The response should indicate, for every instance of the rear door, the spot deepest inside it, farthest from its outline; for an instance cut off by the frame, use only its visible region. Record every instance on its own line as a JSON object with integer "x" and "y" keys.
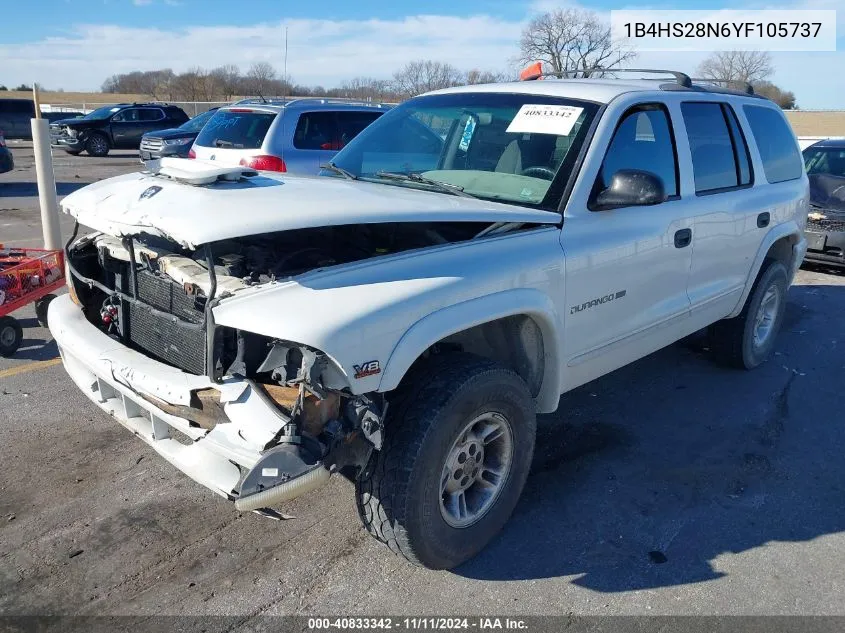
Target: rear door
{"x": 730, "y": 220}
{"x": 233, "y": 134}
{"x": 316, "y": 139}
{"x": 153, "y": 119}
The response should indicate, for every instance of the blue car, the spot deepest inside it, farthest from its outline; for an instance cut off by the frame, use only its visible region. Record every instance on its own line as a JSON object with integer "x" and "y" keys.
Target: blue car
{"x": 173, "y": 142}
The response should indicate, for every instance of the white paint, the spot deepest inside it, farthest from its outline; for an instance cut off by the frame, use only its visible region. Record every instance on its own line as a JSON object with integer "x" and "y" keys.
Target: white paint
{"x": 389, "y": 309}
{"x": 194, "y": 215}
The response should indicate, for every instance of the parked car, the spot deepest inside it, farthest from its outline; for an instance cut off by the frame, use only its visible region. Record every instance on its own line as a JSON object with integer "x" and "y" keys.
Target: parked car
{"x": 295, "y": 136}
{"x": 119, "y": 126}
{"x": 469, "y": 257}
{"x": 7, "y": 162}
{"x": 175, "y": 142}
{"x": 16, "y": 116}
{"x": 825, "y": 162}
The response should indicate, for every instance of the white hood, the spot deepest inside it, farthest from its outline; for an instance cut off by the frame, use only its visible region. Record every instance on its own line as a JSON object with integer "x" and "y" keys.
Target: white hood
{"x": 192, "y": 215}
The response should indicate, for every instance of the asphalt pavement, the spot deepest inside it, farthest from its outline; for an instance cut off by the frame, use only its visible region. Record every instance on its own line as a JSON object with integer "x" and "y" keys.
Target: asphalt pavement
{"x": 671, "y": 486}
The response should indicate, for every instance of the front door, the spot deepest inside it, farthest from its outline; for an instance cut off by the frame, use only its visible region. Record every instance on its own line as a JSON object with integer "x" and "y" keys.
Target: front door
{"x": 627, "y": 269}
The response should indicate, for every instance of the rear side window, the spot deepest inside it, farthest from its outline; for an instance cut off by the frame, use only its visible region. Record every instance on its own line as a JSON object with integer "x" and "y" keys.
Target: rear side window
{"x": 643, "y": 140}
{"x": 776, "y": 142}
{"x": 719, "y": 153}
{"x": 350, "y": 124}
{"x": 316, "y": 130}
{"x": 236, "y": 129}
{"x": 150, "y": 114}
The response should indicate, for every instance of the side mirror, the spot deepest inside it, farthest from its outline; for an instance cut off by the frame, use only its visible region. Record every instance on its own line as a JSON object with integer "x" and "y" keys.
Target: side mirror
{"x": 631, "y": 188}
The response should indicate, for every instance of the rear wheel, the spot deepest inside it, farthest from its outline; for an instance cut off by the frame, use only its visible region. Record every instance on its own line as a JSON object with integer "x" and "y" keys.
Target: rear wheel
{"x": 97, "y": 145}
{"x": 11, "y": 335}
{"x": 748, "y": 340}
{"x": 458, "y": 445}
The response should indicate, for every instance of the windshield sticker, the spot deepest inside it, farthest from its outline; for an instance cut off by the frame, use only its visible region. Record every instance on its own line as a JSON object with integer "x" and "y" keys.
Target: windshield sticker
{"x": 466, "y": 137}
{"x": 545, "y": 119}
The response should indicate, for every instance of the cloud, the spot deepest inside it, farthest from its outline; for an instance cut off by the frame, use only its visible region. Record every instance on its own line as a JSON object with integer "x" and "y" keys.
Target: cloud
{"x": 326, "y": 52}
{"x": 320, "y": 51}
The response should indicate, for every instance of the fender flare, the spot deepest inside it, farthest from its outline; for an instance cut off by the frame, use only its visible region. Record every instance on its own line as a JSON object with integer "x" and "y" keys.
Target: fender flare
{"x": 787, "y": 229}
{"x": 461, "y": 316}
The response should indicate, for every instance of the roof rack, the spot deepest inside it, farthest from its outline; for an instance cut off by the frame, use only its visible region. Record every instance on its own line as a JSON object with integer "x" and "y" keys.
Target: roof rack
{"x": 287, "y": 101}
{"x": 744, "y": 86}
{"x": 534, "y": 72}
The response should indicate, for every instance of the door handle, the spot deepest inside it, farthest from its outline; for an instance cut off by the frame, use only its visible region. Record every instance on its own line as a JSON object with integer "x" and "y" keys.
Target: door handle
{"x": 763, "y": 220}
{"x": 683, "y": 238}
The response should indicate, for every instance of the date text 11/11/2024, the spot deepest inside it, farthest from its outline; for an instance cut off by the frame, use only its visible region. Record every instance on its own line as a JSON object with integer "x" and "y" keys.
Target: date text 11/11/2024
{"x": 417, "y": 623}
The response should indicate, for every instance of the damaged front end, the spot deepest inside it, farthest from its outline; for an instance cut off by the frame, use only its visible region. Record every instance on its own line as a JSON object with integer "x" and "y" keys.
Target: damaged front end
{"x": 212, "y": 398}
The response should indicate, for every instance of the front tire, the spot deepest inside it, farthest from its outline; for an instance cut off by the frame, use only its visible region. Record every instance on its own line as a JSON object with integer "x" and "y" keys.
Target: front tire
{"x": 97, "y": 145}
{"x": 748, "y": 340}
{"x": 459, "y": 439}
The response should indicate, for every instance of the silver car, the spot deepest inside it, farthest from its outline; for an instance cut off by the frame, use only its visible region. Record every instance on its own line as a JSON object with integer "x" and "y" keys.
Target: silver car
{"x": 296, "y": 135}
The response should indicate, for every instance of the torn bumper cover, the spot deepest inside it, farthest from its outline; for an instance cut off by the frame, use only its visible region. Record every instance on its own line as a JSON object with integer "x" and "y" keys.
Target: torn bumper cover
{"x": 147, "y": 397}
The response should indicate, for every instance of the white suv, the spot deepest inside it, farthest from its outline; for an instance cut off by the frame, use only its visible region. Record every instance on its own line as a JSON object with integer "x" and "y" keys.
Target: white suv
{"x": 470, "y": 256}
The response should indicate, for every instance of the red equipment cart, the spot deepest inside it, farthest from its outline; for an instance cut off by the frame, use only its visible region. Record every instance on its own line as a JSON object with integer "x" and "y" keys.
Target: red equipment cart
{"x": 26, "y": 275}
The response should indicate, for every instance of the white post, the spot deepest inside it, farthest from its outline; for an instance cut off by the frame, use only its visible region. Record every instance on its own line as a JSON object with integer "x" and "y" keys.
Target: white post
{"x": 46, "y": 178}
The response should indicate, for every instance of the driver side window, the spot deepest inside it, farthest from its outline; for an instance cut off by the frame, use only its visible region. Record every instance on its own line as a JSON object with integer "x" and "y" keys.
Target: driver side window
{"x": 642, "y": 140}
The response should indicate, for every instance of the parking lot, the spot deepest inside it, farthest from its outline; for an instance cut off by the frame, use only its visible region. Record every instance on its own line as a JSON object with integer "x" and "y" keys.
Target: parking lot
{"x": 671, "y": 486}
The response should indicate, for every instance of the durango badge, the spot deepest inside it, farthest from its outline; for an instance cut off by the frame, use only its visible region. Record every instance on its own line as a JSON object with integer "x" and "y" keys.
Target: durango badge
{"x": 370, "y": 368}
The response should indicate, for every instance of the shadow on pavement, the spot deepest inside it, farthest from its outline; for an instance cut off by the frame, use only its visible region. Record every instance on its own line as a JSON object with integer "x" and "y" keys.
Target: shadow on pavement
{"x": 27, "y": 189}
{"x": 36, "y": 348}
{"x": 645, "y": 477}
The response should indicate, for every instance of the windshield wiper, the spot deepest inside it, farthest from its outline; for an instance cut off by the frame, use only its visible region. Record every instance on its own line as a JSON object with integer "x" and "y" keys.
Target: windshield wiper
{"x": 221, "y": 143}
{"x": 445, "y": 187}
{"x": 339, "y": 170}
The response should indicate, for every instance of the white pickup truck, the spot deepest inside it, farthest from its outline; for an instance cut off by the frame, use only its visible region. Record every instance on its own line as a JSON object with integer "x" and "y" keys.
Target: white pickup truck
{"x": 403, "y": 317}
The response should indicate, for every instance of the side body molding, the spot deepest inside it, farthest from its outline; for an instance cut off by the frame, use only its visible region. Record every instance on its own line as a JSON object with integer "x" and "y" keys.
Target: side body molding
{"x": 461, "y": 316}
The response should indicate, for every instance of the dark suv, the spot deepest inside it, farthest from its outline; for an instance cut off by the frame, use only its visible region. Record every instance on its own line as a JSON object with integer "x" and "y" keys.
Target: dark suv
{"x": 119, "y": 126}
{"x": 825, "y": 162}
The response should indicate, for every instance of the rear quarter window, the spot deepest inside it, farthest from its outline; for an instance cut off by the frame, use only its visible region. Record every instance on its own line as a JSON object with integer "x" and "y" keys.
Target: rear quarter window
{"x": 236, "y": 130}
{"x": 776, "y": 143}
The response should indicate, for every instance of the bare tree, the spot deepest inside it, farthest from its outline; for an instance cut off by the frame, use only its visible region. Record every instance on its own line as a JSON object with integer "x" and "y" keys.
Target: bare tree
{"x": 784, "y": 98}
{"x": 226, "y": 80}
{"x": 476, "y": 76}
{"x": 365, "y": 88}
{"x": 573, "y": 41}
{"x": 261, "y": 78}
{"x": 748, "y": 66}
{"x": 424, "y": 75}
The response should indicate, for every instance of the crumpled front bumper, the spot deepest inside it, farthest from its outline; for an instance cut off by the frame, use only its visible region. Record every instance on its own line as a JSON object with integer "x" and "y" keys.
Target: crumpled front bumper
{"x": 117, "y": 378}
{"x": 826, "y": 242}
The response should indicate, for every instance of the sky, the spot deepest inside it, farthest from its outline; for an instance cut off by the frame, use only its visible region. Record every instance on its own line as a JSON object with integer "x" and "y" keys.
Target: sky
{"x": 77, "y": 44}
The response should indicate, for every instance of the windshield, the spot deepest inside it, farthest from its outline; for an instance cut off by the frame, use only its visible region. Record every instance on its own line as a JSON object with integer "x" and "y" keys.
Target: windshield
{"x": 102, "y": 113}
{"x": 825, "y": 160}
{"x": 197, "y": 123}
{"x": 826, "y": 172}
{"x": 507, "y": 147}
